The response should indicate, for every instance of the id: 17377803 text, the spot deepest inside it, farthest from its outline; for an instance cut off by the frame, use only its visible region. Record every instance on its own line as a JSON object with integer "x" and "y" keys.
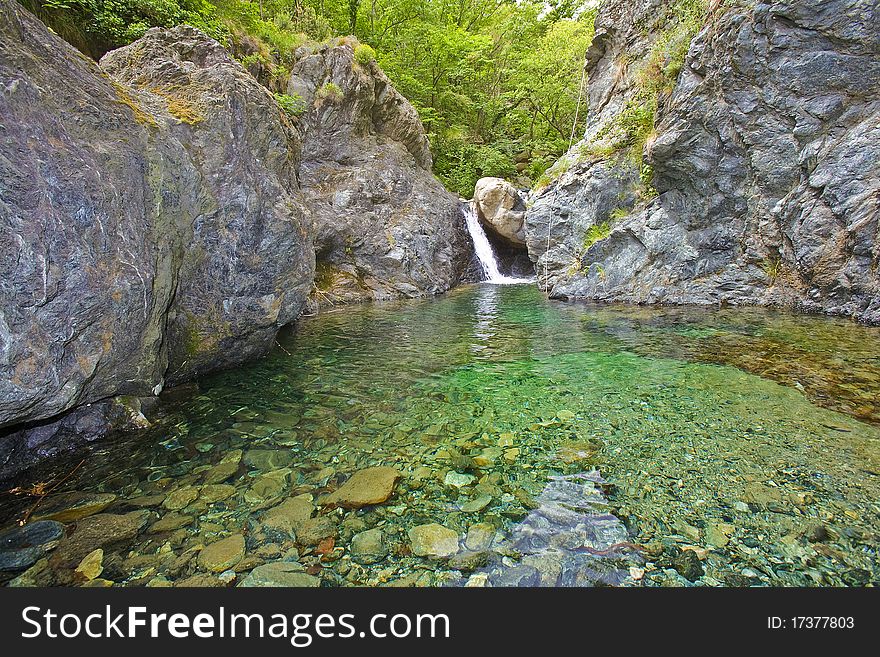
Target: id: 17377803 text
{"x": 811, "y": 623}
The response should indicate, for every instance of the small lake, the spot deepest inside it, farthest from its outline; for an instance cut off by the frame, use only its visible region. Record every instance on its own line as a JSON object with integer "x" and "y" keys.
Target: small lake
{"x": 557, "y": 443}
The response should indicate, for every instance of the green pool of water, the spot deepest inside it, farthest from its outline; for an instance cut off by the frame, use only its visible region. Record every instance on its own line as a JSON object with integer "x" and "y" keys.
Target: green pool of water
{"x": 737, "y": 447}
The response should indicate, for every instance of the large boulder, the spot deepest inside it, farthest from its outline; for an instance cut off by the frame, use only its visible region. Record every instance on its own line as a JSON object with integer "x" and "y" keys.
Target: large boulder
{"x": 153, "y": 223}
{"x": 501, "y": 208}
{"x": 83, "y": 296}
{"x": 246, "y": 260}
{"x": 385, "y": 226}
{"x": 766, "y": 159}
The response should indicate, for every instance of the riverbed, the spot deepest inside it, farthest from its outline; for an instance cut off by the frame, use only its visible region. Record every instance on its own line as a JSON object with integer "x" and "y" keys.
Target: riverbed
{"x": 535, "y": 443}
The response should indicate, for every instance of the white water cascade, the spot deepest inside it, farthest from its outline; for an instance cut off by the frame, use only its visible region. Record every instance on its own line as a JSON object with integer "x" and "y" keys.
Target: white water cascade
{"x": 484, "y": 251}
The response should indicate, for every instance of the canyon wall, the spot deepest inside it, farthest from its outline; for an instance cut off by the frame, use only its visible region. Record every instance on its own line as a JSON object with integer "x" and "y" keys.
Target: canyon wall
{"x": 760, "y": 183}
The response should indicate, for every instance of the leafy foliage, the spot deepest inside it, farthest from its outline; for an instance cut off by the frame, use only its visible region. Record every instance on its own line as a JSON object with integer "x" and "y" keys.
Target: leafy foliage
{"x": 495, "y": 81}
{"x": 96, "y": 26}
{"x": 364, "y": 54}
{"x": 330, "y": 93}
{"x": 596, "y": 233}
{"x": 292, "y": 105}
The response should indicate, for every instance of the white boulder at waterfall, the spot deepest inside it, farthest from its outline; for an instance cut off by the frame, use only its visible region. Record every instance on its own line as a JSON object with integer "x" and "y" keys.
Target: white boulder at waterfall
{"x": 484, "y": 251}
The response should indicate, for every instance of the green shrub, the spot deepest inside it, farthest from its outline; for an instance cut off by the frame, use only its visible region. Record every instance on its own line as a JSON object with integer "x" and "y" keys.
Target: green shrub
{"x": 772, "y": 268}
{"x": 96, "y": 26}
{"x": 364, "y": 55}
{"x": 646, "y": 176}
{"x": 460, "y": 162}
{"x": 596, "y": 233}
{"x": 330, "y": 93}
{"x": 636, "y": 123}
{"x": 292, "y": 105}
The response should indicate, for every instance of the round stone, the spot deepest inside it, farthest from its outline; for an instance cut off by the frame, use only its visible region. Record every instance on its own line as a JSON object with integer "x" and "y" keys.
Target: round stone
{"x": 223, "y": 554}
{"x": 433, "y": 540}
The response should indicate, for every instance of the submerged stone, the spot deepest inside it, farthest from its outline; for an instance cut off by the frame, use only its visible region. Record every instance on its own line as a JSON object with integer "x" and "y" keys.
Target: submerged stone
{"x": 181, "y": 498}
{"x": 476, "y": 504}
{"x": 70, "y": 507}
{"x": 479, "y": 536}
{"x": 290, "y": 514}
{"x": 223, "y": 554}
{"x": 364, "y": 488}
{"x": 268, "y": 487}
{"x": 170, "y": 522}
{"x": 688, "y": 565}
{"x": 97, "y": 531}
{"x": 212, "y": 493}
{"x": 92, "y": 565}
{"x": 458, "y": 479}
{"x": 314, "y": 530}
{"x": 221, "y": 472}
{"x": 518, "y": 576}
{"x": 280, "y": 574}
{"x": 267, "y": 459}
{"x": 369, "y": 546}
{"x": 433, "y": 540}
{"x": 21, "y": 547}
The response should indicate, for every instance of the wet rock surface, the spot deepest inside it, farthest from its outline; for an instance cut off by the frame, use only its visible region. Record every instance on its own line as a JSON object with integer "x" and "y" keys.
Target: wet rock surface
{"x": 222, "y": 555}
{"x": 21, "y": 547}
{"x": 280, "y": 574}
{"x": 570, "y": 538}
{"x": 69, "y": 507}
{"x": 366, "y": 487}
{"x": 433, "y": 541}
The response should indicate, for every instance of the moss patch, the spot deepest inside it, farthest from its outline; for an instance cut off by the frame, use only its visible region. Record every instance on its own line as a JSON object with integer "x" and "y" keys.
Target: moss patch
{"x": 125, "y": 98}
{"x": 180, "y": 107}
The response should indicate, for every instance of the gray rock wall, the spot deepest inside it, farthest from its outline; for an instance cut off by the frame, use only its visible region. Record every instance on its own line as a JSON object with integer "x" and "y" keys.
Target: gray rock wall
{"x": 245, "y": 261}
{"x": 152, "y": 225}
{"x": 384, "y": 225}
{"x": 766, "y": 159}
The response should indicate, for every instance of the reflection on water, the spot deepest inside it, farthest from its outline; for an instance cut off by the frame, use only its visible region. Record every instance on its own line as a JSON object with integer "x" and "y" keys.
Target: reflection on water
{"x": 485, "y": 314}
{"x": 738, "y": 447}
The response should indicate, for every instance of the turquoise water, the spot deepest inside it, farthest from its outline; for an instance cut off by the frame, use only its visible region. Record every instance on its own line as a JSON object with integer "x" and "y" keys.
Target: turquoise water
{"x": 582, "y": 444}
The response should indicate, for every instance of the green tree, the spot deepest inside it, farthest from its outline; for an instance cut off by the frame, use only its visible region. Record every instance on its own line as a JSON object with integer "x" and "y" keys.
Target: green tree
{"x": 494, "y": 81}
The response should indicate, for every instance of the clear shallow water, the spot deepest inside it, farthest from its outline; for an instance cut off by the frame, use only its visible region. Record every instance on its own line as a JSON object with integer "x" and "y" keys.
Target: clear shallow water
{"x": 602, "y": 445}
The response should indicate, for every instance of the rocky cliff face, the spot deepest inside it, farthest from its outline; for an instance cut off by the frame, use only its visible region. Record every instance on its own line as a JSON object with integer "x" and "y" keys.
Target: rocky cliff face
{"x": 155, "y": 225}
{"x": 765, "y": 156}
{"x": 152, "y": 223}
{"x": 244, "y": 256}
{"x": 384, "y": 225}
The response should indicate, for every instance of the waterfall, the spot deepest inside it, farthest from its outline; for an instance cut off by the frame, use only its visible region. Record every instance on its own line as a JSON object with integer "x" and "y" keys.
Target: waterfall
{"x": 484, "y": 250}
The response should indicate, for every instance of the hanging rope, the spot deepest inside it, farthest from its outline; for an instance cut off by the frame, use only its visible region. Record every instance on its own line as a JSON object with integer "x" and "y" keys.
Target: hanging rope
{"x": 577, "y": 110}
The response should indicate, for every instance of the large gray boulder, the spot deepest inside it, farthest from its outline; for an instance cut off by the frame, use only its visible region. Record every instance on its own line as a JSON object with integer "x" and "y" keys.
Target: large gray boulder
{"x": 152, "y": 223}
{"x": 766, "y": 160}
{"x": 384, "y": 225}
{"x": 501, "y": 208}
{"x": 245, "y": 260}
